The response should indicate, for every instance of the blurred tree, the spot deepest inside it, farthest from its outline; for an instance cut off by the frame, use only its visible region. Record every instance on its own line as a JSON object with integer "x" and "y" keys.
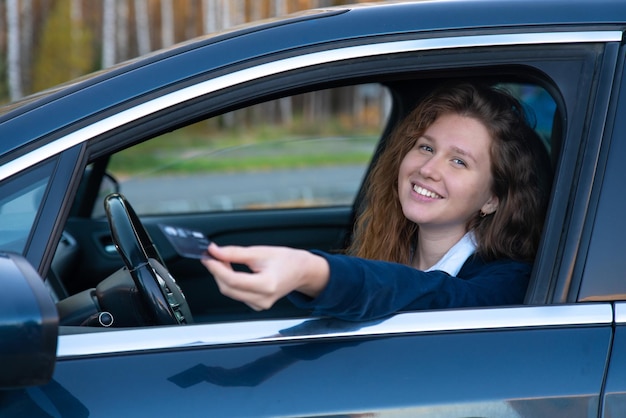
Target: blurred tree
{"x": 14, "y": 63}
{"x": 46, "y": 42}
{"x": 122, "y": 46}
{"x": 27, "y": 36}
{"x": 109, "y": 41}
{"x": 65, "y": 49}
{"x": 211, "y": 13}
{"x": 142, "y": 26}
{"x": 167, "y": 23}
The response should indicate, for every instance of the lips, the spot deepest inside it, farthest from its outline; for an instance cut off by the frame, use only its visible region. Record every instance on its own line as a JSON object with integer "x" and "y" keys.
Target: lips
{"x": 425, "y": 192}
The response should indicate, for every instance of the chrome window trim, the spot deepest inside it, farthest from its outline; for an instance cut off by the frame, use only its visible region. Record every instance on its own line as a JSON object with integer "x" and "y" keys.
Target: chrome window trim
{"x": 620, "y": 313}
{"x": 289, "y": 64}
{"x": 278, "y": 331}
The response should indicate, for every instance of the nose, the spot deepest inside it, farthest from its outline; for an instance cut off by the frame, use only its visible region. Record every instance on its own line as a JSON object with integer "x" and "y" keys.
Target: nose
{"x": 431, "y": 168}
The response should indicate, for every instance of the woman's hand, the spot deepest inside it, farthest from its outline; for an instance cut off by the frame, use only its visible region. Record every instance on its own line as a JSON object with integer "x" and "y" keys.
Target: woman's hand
{"x": 276, "y": 272}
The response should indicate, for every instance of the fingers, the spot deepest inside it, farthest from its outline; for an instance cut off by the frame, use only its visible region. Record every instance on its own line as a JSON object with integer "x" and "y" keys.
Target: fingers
{"x": 275, "y": 272}
{"x": 231, "y": 283}
{"x": 251, "y": 288}
{"x": 249, "y": 256}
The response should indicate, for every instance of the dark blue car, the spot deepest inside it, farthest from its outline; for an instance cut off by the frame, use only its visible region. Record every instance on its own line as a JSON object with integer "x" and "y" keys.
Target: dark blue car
{"x": 263, "y": 135}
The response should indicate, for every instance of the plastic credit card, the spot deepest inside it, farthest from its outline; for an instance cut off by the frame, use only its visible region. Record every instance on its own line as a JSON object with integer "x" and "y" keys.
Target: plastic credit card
{"x": 187, "y": 242}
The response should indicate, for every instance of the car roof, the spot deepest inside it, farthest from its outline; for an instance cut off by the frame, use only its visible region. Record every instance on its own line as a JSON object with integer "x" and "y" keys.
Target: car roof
{"x": 67, "y": 104}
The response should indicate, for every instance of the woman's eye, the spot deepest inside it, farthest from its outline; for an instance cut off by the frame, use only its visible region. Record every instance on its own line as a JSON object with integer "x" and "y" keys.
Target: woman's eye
{"x": 460, "y": 162}
{"x": 425, "y": 148}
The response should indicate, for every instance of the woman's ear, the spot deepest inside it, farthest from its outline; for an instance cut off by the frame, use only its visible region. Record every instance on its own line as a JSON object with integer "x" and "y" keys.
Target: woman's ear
{"x": 491, "y": 205}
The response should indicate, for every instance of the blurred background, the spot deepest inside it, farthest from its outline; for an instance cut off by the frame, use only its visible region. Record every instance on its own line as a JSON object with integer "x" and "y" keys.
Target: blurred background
{"x": 44, "y": 43}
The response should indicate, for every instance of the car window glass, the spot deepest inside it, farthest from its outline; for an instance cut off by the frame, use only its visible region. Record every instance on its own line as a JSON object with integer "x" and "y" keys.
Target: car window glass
{"x": 19, "y": 205}
{"x": 540, "y": 107}
{"x": 306, "y": 150}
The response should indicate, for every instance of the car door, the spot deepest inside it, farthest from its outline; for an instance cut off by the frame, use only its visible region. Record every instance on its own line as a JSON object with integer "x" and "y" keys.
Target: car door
{"x": 602, "y": 278}
{"x": 514, "y": 362}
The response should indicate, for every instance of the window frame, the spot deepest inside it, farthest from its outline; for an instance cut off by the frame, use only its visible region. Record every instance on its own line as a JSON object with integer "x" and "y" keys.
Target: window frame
{"x": 169, "y": 108}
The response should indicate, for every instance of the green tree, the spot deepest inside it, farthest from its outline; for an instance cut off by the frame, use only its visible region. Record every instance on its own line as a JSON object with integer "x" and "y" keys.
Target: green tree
{"x": 65, "y": 50}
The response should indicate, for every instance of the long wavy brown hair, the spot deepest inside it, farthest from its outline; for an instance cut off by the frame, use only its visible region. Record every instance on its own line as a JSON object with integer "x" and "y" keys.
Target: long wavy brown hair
{"x": 520, "y": 167}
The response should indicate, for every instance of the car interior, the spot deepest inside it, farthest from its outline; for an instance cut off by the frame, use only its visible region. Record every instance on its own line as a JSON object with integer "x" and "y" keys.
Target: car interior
{"x": 115, "y": 248}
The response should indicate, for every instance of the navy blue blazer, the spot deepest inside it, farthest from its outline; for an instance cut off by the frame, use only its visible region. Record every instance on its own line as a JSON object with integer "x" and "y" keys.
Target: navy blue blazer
{"x": 361, "y": 290}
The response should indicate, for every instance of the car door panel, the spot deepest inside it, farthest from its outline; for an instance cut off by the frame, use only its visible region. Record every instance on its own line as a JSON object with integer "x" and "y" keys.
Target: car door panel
{"x": 509, "y": 370}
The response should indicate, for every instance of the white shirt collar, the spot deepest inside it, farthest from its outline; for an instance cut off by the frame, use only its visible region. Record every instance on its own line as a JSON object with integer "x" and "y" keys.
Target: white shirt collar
{"x": 453, "y": 260}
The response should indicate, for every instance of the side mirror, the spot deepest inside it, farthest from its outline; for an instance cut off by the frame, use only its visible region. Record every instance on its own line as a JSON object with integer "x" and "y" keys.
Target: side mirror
{"x": 29, "y": 325}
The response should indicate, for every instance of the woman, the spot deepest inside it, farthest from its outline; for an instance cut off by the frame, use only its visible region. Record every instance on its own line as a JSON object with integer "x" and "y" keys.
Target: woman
{"x": 453, "y": 216}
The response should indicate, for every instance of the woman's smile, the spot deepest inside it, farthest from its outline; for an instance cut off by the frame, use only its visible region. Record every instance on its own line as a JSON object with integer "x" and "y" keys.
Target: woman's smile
{"x": 422, "y": 191}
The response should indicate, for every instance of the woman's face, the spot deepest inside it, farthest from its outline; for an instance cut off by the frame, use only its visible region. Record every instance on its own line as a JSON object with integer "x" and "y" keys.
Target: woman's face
{"x": 446, "y": 178}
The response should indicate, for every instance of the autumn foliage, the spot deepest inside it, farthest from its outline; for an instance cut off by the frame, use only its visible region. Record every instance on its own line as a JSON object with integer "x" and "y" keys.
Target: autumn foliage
{"x": 47, "y": 42}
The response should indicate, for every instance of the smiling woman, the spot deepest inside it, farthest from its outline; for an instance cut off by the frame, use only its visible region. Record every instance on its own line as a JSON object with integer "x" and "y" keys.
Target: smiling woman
{"x": 444, "y": 225}
{"x": 516, "y": 158}
{"x": 445, "y": 180}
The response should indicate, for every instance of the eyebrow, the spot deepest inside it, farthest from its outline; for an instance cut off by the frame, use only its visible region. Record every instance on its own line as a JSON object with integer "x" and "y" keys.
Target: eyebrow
{"x": 464, "y": 153}
{"x": 457, "y": 150}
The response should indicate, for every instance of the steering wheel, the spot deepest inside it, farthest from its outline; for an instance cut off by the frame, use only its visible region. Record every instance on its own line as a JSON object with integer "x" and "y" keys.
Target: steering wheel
{"x": 163, "y": 300}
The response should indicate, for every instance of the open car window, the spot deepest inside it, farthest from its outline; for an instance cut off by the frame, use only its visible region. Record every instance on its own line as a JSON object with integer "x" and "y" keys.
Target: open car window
{"x": 226, "y": 176}
{"x": 307, "y": 150}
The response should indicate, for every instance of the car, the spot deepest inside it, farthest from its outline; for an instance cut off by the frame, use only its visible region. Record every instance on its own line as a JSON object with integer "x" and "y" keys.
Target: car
{"x": 112, "y": 185}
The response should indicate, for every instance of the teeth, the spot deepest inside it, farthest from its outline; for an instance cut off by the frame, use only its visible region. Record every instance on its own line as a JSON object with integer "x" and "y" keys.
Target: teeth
{"x": 424, "y": 192}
